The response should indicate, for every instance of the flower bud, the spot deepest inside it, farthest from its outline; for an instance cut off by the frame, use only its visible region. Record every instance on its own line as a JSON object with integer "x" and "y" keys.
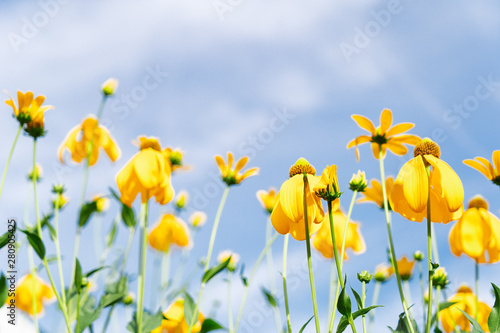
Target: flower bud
{"x": 109, "y": 87}
{"x": 418, "y": 255}
{"x": 364, "y": 276}
{"x": 58, "y": 189}
{"x": 129, "y": 299}
{"x": 60, "y": 201}
{"x": 358, "y": 182}
{"x": 198, "y": 219}
{"x": 181, "y": 200}
{"x": 440, "y": 278}
{"x": 36, "y": 174}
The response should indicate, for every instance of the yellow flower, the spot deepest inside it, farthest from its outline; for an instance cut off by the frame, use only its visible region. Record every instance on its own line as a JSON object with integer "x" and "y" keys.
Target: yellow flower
{"x": 411, "y": 188}
{"x": 24, "y": 294}
{"x": 109, "y": 87}
{"x": 405, "y": 268}
{"x": 288, "y": 211}
{"x": 224, "y": 255}
{"x": 198, "y": 219}
{"x": 374, "y": 193}
{"x": 267, "y": 199}
{"x": 169, "y": 230}
{"x": 492, "y": 172}
{"x": 181, "y": 199}
{"x": 102, "y": 202}
{"x": 358, "y": 182}
{"x": 37, "y": 173}
{"x": 386, "y": 136}
{"x": 476, "y": 233}
{"x": 81, "y": 137}
{"x": 63, "y": 200}
{"x": 147, "y": 173}
{"x": 175, "y": 322}
{"x": 29, "y": 110}
{"x": 231, "y": 176}
{"x": 465, "y": 301}
{"x": 382, "y": 272}
{"x": 175, "y": 156}
{"x": 354, "y": 239}
{"x": 328, "y": 186}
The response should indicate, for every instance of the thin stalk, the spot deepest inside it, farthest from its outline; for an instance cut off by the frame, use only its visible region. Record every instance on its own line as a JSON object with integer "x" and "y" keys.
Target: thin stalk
{"x": 391, "y": 243}
{"x": 422, "y": 288}
{"x": 333, "y": 282}
{"x": 8, "y": 159}
{"x": 477, "y": 289}
{"x": 229, "y": 306}
{"x": 285, "y": 293}
{"x": 108, "y": 319}
{"x": 142, "y": 266}
{"x": 376, "y": 292}
{"x": 77, "y": 328}
{"x": 193, "y": 319}
{"x": 363, "y": 297}
{"x": 250, "y": 279}
{"x": 429, "y": 252}
{"x": 309, "y": 261}
{"x": 58, "y": 250}
{"x": 438, "y": 289}
{"x": 407, "y": 290}
{"x": 270, "y": 272}
{"x": 33, "y": 275}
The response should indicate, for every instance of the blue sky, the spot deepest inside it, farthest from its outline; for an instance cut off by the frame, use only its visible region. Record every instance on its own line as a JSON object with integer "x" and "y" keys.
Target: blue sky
{"x": 221, "y": 77}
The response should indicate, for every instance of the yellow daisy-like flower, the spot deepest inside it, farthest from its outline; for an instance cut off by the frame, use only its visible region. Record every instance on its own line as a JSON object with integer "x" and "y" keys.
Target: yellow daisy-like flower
{"x": 328, "y": 186}
{"x": 374, "y": 193}
{"x": 102, "y": 202}
{"x": 80, "y": 137}
{"x": 354, "y": 239}
{"x": 175, "y": 322}
{"x": 384, "y": 136}
{"x": 232, "y": 176}
{"x": 175, "y": 156}
{"x": 465, "y": 301}
{"x": 147, "y": 173}
{"x": 61, "y": 201}
{"x": 169, "y": 230}
{"x": 492, "y": 172}
{"x": 198, "y": 219}
{"x": 224, "y": 255}
{"x": 383, "y": 272}
{"x": 477, "y": 233}
{"x": 29, "y": 109}
{"x": 27, "y": 286}
{"x": 267, "y": 199}
{"x": 405, "y": 268}
{"x": 411, "y": 189}
{"x": 288, "y": 212}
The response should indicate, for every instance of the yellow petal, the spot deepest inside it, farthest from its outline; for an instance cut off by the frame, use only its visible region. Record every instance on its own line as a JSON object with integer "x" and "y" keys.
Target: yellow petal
{"x": 291, "y": 196}
{"x": 280, "y": 221}
{"x": 416, "y": 185}
{"x": 487, "y": 164}
{"x": 479, "y": 167}
{"x": 240, "y": 164}
{"x": 496, "y": 161}
{"x": 398, "y": 129}
{"x": 396, "y": 148}
{"x": 220, "y": 163}
{"x": 364, "y": 123}
{"x": 451, "y": 184}
{"x": 385, "y": 121}
{"x": 474, "y": 231}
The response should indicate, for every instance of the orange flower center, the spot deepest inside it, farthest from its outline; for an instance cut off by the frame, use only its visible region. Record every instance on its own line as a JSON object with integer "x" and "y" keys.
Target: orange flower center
{"x": 150, "y": 143}
{"x": 427, "y": 147}
{"x": 478, "y": 202}
{"x": 301, "y": 166}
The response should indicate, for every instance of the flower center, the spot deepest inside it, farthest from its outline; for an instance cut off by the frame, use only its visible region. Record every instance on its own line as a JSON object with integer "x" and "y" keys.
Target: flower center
{"x": 378, "y": 138}
{"x": 301, "y": 166}
{"x": 149, "y": 143}
{"x": 427, "y": 147}
{"x": 478, "y": 202}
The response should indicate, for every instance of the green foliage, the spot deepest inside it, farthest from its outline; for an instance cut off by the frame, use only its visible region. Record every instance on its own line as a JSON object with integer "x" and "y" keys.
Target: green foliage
{"x": 244, "y": 279}
{"x": 78, "y": 276}
{"x": 344, "y": 303}
{"x": 494, "y": 318}
{"x": 86, "y": 212}
{"x": 358, "y": 299}
{"x": 88, "y": 314}
{"x": 476, "y": 328}
{"x": 344, "y": 321}
{"x": 403, "y": 325}
{"x": 210, "y": 325}
{"x": 115, "y": 293}
{"x": 304, "y": 326}
{"x": 4, "y": 239}
{"x": 3, "y": 289}
{"x": 209, "y": 274}
{"x": 36, "y": 243}
{"x": 269, "y": 297}
{"x": 127, "y": 213}
{"x": 189, "y": 308}
{"x": 149, "y": 322}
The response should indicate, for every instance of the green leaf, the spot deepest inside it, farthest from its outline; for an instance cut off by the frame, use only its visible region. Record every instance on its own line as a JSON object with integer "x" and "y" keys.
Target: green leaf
{"x": 110, "y": 237}
{"x": 3, "y": 290}
{"x": 304, "y": 326}
{"x": 4, "y": 239}
{"x": 86, "y": 212}
{"x": 214, "y": 271}
{"x": 344, "y": 303}
{"x": 358, "y": 299}
{"x": 494, "y": 318}
{"x": 210, "y": 325}
{"x": 437, "y": 330}
{"x": 476, "y": 328}
{"x": 128, "y": 215}
{"x": 92, "y": 272}
{"x": 149, "y": 322}
{"x": 189, "y": 307}
{"x": 45, "y": 222}
{"x": 362, "y": 312}
{"x": 403, "y": 325}
{"x": 36, "y": 243}
{"x": 244, "y": 280}
{"x": 269, "y": 297}
{"x": 78, "y": 276}
{"x": 88, "y": 314}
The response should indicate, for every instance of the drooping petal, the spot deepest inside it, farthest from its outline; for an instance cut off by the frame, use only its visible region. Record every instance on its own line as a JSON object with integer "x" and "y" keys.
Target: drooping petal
{"x": 376, "y": 150}
{"x": 291, "y": 196}
{"x": 359, "y": 140}
{"x": 416, "y": 185}
{"x": 479, "y": 167}
{"x": 281, "y": 222}
{"x": 451, "y": 184}
{"x": 364, "y": 123}
{"x": 385, "y": 121}
{"x": 474, "y": 233}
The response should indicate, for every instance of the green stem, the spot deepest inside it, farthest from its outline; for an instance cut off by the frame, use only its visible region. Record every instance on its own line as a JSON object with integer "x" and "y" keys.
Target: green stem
{"x": 309, "y": 261}
{"x": 165, "y": 273}
{"x": 250, "y": 280}
{"x": 58, "y": 250}
{"x": 477, "y": 289}
{"x": 429, "y": 252}
{"x": 422, "y": 288}
{"x": 142, "y": 266}
{"x": 108, "y": 319}
{"x": 33, "y": 275}
{"x": 376, "y": 292}
{"x": 391, "y": 243}
{"x": 407, "y": 290}
{"x": 229, "y": 306}
{"x": 77, "y": 328}
{"x": 8, "y": 159}
{"x": 127, "y": 248}
{"x": 270, "y": 272}
{"x": 193, "y": 319}
{"x": 285, "y": 293}
{"x": 363, "y": 297}
{"x": 333, "y": 282}
{"x": 438, "y": 289}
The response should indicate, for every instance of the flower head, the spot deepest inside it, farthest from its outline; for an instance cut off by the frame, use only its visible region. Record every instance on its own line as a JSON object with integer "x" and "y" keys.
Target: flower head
{"x": 170, "y": 230}
{"x": 410, "y": 192}
{"x": 364, "y": 276}
{"x": 181, "y": 200}
{"x": 328, "y": 186}
{"x": 198, "y": 219}
{"x": 84, "y": 141}
{"x": 288, "y": 211}
{"x": 30, "y": 287}
{"x": 353, "y": 240}
{"x": 385, "y": 136}
{"x": 60, "y": 201}
{"x": 418, "y": 255}
{"x": 175, "y": 157}
{"x": 109, "y": 87}
{"x": 226, "y": 254}
{"x": 36, "y": 174}
{"x": 440, "y": 278}
{"x": 477, "y": 233}
{"x": 231, "y": 176}
{"x": 267, "y": 199}
{"x": 405, "y": 268}
{"x": 29, "y": 112}
{"x": 492, "y": 172}
{"x": 383, "y": 272}
{"x": 147, "y": 173}
{"x": 374, "y": 193}
{"x": 358, "y": 182}
{"x": 464, "y": 300}
{"x": 102, "y": 202}
{"x": 175, "y": 321}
